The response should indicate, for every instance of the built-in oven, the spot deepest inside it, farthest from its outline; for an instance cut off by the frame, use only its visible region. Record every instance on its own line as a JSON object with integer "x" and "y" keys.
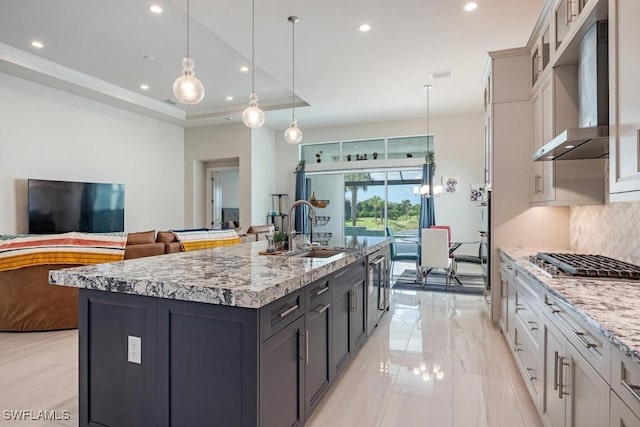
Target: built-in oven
{"x": 377, "y": 289}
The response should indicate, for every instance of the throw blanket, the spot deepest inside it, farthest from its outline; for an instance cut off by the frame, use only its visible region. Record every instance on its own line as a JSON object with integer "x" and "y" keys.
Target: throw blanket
{"x": 66, "y": 248}
{"x": 194, "y": 240}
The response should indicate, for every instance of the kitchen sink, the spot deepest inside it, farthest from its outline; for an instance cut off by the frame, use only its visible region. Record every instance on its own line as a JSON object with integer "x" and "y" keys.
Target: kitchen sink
{"x": 319, "y": 253}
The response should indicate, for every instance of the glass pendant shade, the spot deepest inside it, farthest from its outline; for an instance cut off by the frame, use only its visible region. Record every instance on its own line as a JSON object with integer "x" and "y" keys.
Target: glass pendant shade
{"x": 293, "y": 134}
{"x": 253, "y": 116}
{"x": 187, "y": 88}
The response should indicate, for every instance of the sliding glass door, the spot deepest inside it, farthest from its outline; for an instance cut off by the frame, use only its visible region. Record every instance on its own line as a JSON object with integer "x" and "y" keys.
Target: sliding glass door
{"x": 363, "y": 203}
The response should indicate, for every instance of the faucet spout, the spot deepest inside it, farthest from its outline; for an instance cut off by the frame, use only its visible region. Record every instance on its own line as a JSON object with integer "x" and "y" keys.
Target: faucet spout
{"x": 312, "y": 217}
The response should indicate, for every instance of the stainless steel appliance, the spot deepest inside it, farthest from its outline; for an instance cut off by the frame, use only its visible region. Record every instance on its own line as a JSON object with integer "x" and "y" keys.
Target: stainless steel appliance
{"x": 591, "y": 139}
{"x": 378, "y": 289}
{"x": 585, "y": 266}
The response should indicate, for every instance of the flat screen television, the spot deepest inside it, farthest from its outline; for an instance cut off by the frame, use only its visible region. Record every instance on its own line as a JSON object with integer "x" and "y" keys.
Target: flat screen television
{"x": 62, "y": 206}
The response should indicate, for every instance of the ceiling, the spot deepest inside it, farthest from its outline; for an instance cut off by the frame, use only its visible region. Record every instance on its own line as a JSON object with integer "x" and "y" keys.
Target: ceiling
{"x": 343, "y": 75}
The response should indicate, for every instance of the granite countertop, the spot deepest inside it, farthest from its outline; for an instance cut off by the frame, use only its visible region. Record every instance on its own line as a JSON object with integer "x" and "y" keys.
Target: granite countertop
{"x": 233, "y": 275}
{"x": 611, "y": 306}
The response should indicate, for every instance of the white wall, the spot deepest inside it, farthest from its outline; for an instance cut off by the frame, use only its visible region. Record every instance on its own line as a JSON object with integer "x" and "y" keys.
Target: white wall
{"x": 206, "y": 144}
{"x": 49, "y": 134}
{"x": 459, "y": 146}
{"x": 263, "y": 170}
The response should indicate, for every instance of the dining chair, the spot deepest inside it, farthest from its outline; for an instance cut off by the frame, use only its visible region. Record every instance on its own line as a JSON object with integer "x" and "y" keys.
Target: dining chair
{"x": 445, "y": 227}
{"x": 408, "y": 251}
{"x": 435, "y": 253}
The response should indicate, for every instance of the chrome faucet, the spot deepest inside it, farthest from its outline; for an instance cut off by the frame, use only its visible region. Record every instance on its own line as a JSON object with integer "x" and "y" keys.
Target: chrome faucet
{"x": 312, "y": 217}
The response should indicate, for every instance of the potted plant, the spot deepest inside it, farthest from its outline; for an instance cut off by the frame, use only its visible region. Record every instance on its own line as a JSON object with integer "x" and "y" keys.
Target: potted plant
{"x": 280, "y": 240}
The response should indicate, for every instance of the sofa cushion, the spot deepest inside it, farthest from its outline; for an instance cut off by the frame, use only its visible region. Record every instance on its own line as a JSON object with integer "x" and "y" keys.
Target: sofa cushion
{"x": 142, "y": 250}
{"x": 172, "y": 247}
{"x": 166, "y": 237}
{"x": 257, "y": 229}
{"x": 141, "y": 238}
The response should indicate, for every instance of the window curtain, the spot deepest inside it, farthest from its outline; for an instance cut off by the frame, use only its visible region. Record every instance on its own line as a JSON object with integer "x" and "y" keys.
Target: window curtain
{"x": 427, "y": 204}
{"x": 301, "y": 194}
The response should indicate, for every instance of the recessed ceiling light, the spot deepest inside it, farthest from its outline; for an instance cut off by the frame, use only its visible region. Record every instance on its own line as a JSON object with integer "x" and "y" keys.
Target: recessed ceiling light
{"x": 569, "y": 146}
{"x": 551, "y": 157}
{"x": 364, "y": 27}
{"x": 470, "y": 6}
{"x": 144, "y": 86}
{"x": 155, "y": 8}
{"x": 229, "y": 118}
{"x": 229, "y": 98}
{"x": 37, "y": 44}
{"x": 244, "y": 69}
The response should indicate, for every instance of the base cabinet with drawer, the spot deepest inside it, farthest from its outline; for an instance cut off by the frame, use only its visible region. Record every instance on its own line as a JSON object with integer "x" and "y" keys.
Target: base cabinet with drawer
{"x": 575, "y": 376}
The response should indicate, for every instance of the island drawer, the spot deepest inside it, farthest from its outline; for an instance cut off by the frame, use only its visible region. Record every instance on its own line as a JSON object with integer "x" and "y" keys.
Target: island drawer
{"x": 625, "y": 379}
{"x": 318, "y": 291}
{"x": 281, "y": 312}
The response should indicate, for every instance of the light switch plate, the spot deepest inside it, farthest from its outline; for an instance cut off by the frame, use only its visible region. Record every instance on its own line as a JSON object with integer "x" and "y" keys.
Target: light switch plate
{"x": 134, "y": 349}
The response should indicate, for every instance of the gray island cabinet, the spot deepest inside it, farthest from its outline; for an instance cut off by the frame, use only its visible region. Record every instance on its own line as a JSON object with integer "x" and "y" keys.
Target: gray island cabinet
{"x": 191, "y": 340}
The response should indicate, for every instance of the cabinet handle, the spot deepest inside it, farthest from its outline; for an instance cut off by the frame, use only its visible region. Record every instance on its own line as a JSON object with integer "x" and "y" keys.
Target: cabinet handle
{"x": 561, "y": 366}
{"x": 555, "y": 372}
{"x": 322, "y": 291}
{"x": 289, "y": 311}
{"x": 536, "y": 184}
{"x": 306, "y": 346}
{"x": 515, "y": 348}
{"x": 633, "y": 389}
{"x": 570, "y": 15}
{"x": 532, "y": 325}
{"x": 323, "y": 309}
{"x": 354, "y": 300}
{"x": 519, "y": 307}
{"x": 549, "y": 305}
{"x": 583, "y": 340}
{"x": 530, "y": 375}
{"x": 539, "y": 64}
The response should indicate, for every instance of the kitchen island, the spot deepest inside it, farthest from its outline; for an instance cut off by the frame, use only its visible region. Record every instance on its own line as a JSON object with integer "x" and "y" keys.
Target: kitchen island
{"x": 217, "y": 337}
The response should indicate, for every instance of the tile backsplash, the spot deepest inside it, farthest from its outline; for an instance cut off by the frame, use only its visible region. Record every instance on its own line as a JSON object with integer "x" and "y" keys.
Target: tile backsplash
{"x": 612, "y": 230}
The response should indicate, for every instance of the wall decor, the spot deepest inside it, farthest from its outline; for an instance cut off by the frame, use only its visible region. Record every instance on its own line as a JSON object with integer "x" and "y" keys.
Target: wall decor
{"x": 452, "y": 185}
{"x": 477, "y": 193}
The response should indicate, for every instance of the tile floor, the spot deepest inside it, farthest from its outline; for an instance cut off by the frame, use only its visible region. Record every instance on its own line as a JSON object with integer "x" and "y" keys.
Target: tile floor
{"x": 434, "y": 360}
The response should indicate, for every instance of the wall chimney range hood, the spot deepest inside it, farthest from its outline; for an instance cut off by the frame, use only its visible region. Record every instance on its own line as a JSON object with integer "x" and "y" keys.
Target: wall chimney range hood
{"x": 591, "y": 139}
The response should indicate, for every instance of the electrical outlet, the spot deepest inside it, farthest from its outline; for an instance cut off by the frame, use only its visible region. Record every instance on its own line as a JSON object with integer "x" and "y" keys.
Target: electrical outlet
{"x": 134, "y": 349}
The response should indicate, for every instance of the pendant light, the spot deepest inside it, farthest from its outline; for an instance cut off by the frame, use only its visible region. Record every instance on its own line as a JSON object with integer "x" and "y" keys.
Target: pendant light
{"x": 187, "y": 88}
{"x": 253, "y": 116}
{"x": 293, "y": 134}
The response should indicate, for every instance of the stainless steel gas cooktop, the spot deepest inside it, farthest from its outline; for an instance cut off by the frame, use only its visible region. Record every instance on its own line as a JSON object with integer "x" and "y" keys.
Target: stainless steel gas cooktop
{"x": 579, "y": 265}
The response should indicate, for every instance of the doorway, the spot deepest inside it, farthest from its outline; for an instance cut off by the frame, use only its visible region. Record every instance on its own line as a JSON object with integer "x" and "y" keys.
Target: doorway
{"x": 223, "y": 197}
